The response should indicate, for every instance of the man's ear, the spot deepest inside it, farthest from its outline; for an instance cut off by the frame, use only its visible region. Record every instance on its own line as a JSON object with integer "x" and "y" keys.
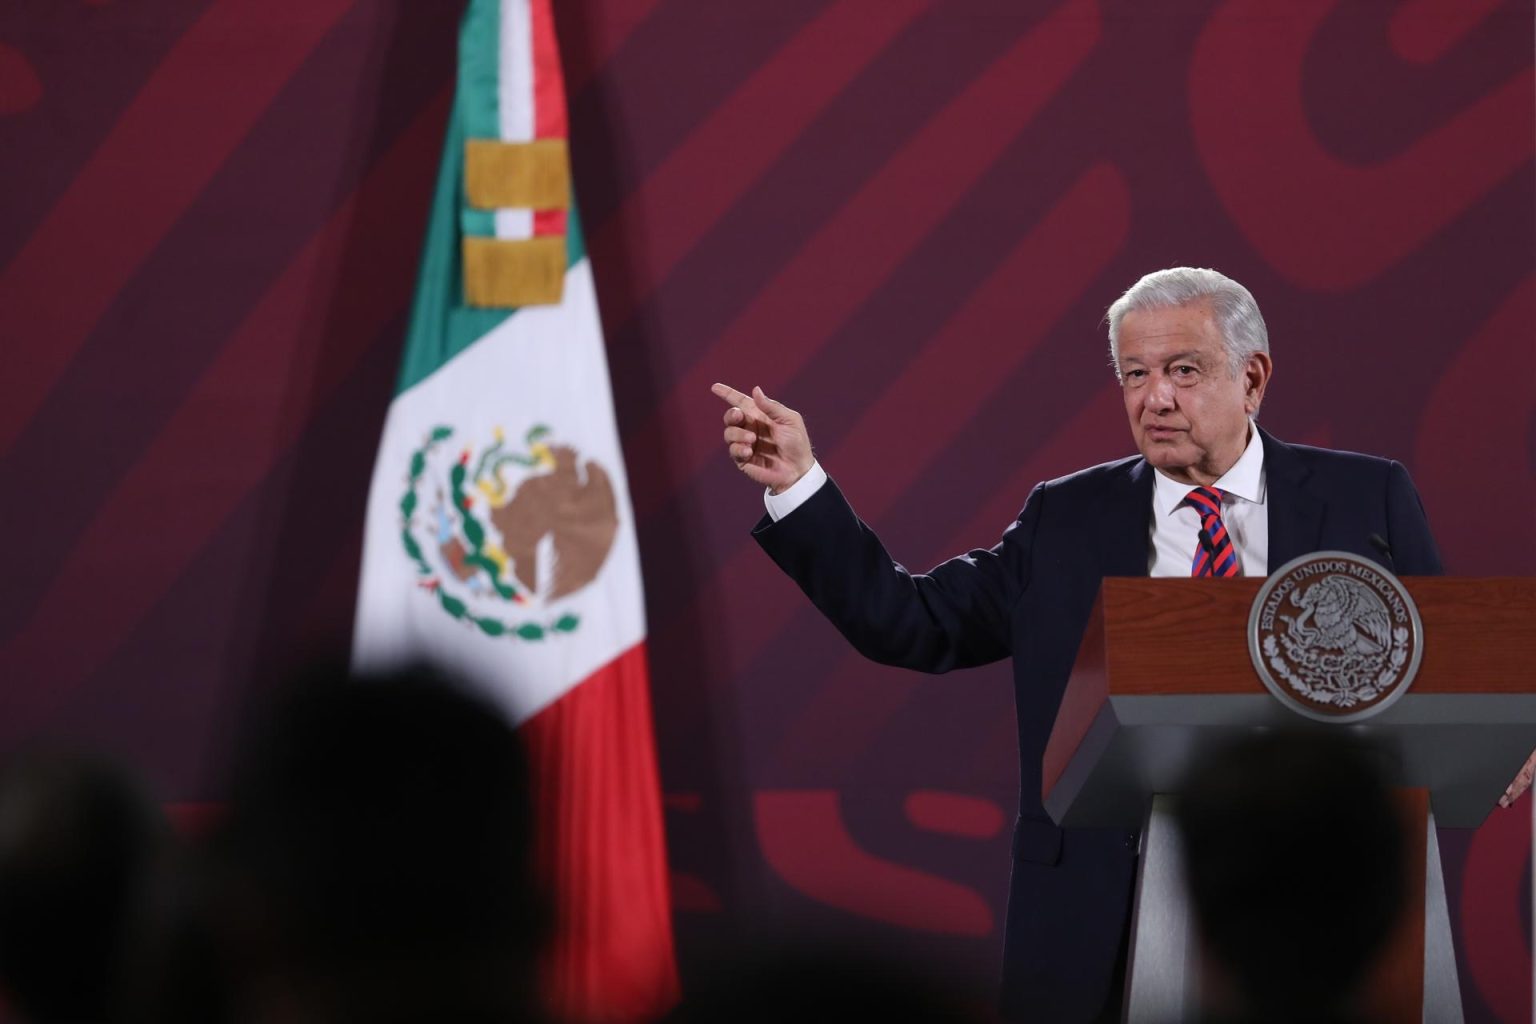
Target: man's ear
{"x": 1256, "y": 374}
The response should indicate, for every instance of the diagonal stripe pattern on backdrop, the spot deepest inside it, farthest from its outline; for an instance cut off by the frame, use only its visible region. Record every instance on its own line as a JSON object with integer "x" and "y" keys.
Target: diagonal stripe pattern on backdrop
{"x": 192, "y": 87}
{"x": 678, "y": 202}
{"x": 796, "y": 312}
{"x": 1077, "y": 239}
{"x": 281, "y": 327}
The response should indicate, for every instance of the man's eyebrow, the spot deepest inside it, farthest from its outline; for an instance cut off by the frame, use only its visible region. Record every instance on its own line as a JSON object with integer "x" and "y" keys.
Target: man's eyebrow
{"x": 1192, "y": 356}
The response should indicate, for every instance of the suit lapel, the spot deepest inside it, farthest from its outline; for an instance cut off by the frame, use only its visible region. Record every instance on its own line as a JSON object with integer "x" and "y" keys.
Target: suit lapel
{"x": 1125, "y": 520}
{"x": 1295, "y": 512}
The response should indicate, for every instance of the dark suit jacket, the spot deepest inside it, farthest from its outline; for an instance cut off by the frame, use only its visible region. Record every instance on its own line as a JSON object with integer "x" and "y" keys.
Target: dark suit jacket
{"x": 1029, "y": 597}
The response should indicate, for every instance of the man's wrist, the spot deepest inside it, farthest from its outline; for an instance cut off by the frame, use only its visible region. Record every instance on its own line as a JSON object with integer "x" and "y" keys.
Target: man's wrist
{"x": 792, "y": 497}
{"x": 778, "y": 491}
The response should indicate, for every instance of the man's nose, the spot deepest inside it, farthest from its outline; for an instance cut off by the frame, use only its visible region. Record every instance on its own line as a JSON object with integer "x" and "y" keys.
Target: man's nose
{"x": 1160, "y": 393}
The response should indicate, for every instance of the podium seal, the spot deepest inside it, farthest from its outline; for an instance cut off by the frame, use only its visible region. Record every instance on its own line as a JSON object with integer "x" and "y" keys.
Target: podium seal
{"x": 1335, "y": 637}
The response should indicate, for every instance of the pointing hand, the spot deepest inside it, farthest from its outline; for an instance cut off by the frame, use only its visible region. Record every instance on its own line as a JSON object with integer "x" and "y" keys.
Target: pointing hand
{"x": 1521, "y": 784}
{"x": 766, "y": 439}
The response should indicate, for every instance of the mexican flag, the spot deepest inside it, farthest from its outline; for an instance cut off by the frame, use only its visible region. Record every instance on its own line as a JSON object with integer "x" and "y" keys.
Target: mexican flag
{"x": 499, "y": 541}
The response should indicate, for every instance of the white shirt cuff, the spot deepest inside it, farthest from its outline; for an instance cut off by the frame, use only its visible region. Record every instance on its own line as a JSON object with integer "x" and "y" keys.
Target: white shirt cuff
{"x": 781, "y": 505}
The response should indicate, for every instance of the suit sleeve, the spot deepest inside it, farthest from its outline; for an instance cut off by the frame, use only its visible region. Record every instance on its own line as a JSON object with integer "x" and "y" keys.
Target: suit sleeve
{"x": 956, "y": 615}
{"x": 1413, "y": 546}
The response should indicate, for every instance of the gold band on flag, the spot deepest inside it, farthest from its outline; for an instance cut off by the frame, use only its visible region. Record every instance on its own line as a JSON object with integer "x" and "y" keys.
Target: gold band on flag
{"x": 502, "y": 273}
{"x": 535, "y": 175}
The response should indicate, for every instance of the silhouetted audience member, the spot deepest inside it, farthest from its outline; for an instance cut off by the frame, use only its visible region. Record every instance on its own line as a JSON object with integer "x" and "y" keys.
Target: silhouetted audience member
{"x": 1295, "y": 858}
{"x": 374, "y": 866}
{"x": 808, "y": 983}
{"x": 78, "y": 842}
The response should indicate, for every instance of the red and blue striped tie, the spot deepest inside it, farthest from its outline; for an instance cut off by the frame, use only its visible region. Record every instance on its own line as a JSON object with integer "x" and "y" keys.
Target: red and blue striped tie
{"x": 1220, "y": 559}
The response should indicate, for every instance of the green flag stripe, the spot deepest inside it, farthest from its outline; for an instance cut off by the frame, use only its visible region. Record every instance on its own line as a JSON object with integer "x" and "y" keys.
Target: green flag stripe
{"x": 441, "y": 326}
{"x": 575, "y": 241}
{"x": 478, "y": 223}
{"x": 480, "y": 69}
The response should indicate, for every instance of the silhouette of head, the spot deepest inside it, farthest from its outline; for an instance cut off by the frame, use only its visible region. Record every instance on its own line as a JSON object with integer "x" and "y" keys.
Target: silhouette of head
{"x": 78, "y": 842}
{"x": 1294, "y": 853}
{"x": 810, "y": 980}
{"x": 376, "y": 856}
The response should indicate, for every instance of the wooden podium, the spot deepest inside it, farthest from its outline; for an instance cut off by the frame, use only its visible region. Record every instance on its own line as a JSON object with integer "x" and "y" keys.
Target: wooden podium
{"x": 1164, "y": 668}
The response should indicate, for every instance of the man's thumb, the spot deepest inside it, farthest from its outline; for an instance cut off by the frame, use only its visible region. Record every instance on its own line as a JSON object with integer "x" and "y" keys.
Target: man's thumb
{"x": 774, "y": 409}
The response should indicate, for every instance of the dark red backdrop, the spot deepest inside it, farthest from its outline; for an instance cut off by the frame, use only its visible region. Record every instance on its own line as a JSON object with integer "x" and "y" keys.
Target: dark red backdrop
{"x": 903, "y": 217}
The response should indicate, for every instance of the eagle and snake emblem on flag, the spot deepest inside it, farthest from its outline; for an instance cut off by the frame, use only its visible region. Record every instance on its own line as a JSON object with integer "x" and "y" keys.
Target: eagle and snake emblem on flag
{"x": 502, "y": 533}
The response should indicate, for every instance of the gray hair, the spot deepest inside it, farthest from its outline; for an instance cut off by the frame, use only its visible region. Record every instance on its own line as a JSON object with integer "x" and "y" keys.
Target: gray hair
{"x": 1237, "y": 315}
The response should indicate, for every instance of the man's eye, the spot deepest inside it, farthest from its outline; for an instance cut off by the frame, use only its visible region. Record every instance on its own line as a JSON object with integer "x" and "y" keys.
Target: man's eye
{"x": 1184, "y": 371}
{"x": 1135, "y": 374}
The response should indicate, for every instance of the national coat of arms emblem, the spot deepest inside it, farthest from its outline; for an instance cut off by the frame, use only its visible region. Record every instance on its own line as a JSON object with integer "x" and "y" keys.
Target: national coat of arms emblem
{"x": 1335, "y": 636}
{"x": 501, "y": 535}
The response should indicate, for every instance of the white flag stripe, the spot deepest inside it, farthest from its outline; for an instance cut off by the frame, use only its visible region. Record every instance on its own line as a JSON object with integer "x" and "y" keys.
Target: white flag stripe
{"x": 515, "y": 82}
{"x": 515, "y": 103}
{"x": 514, "y": 222}
{"x": 500, "y": 546}
{"x": 543, "y": 365}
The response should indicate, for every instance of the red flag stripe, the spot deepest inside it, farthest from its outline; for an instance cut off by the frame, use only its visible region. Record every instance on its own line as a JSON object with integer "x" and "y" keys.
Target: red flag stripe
{"x": 597, "y": 798}
{"x": 549, "y": 115}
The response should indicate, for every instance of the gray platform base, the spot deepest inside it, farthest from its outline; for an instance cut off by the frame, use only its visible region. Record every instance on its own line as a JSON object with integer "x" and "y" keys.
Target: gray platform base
{"x": 1163, "y": 978}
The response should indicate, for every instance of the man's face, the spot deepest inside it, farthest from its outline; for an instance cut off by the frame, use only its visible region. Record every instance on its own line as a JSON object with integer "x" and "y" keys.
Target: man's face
{"x": 1189, "y": 415}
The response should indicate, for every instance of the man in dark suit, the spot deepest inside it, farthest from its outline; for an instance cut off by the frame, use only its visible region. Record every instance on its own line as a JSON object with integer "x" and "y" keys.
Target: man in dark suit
{"x": 1209, "y": 495}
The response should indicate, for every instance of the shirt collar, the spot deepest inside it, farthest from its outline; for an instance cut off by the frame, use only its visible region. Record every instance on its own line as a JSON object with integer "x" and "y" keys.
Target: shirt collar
{"x": 1245, "y": 480}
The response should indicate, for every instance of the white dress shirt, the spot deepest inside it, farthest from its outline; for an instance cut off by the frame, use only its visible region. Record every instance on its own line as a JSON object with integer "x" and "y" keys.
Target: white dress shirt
{"x": 781, "y": 505}
{"x": 1175, "y": 530}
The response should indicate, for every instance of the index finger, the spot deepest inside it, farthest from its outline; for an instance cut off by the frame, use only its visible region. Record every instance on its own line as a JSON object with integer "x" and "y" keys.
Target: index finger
{"x": 733, "y": 397}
